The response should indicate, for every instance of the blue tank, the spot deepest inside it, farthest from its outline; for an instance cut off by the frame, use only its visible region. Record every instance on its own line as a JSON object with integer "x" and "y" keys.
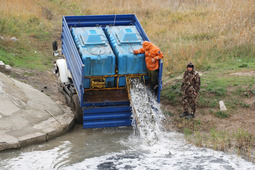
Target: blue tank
{"x": 125, "y": 39}
{"x": 95, "y": 52}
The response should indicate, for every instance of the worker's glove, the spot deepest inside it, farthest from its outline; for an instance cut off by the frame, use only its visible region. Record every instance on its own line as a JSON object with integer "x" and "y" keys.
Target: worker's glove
{"x": 135, "y": 51}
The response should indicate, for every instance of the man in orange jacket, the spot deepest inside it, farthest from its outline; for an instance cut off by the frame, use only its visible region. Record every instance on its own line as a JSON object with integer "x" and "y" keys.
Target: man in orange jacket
{"x": 152, "y": 57}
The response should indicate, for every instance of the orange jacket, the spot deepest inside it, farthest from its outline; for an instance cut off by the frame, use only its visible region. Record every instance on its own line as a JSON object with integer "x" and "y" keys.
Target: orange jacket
{"x": 151, "y": 52}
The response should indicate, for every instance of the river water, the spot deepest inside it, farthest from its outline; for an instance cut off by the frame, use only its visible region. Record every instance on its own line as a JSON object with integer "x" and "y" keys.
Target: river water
{"x": 146, "y": 147}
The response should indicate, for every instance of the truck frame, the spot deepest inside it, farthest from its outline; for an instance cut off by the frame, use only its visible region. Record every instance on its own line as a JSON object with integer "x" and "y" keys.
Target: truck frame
{"x": 96, "y": 107}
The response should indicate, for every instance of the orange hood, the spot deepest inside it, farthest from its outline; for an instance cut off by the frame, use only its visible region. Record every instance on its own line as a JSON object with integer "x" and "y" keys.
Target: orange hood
{"x": 147, "y": 45}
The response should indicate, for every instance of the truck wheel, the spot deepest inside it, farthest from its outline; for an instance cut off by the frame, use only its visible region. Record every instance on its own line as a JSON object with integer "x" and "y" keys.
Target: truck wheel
{"x": 78, "y": 115}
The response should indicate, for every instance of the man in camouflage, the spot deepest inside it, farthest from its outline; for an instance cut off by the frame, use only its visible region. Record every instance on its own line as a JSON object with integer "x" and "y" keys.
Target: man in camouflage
{"x": 190, "y": 88}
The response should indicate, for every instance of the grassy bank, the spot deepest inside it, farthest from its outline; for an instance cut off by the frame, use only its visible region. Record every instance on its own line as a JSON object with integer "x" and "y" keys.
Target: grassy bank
{"x": 25, "y": 32}
{"x": 218, "y": 36}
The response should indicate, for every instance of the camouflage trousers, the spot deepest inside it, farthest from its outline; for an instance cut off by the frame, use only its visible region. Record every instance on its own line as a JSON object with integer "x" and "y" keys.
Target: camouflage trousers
{"x": 189, "y": 100}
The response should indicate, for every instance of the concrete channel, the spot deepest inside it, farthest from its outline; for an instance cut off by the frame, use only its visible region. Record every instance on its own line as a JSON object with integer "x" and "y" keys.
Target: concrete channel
{"x": 28, "y": 116}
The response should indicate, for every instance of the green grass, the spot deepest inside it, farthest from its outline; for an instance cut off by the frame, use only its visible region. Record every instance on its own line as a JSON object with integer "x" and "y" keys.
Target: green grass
{"x": 31, "y": 34}
{"x": 172, "y": 93}
{"x": 25, "y": 59}
{"x": 222, "y": 140}
{"x": 14, "y": 26}
{"x": 222, "y": 114}
{"x": 168, "y": 113}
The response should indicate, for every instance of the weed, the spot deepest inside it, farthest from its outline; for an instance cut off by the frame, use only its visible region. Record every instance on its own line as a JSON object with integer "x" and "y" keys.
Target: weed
{"x": 222, "y": 114}
{"x": 244, "y": 105}
{"x": 253, "y": 91}
{"x": 168, "y": 113}
{"x": 172, "y": 93}
{"x": 232, "y": 104}
{"x": 241, "y": 91}
{"x": 243, "y": 138}
{"x": 244, "y": 65}
{"x": 213, "y": 104}
{"x": 187, "y": 132}
{"x": 28, "y": 73}
{"x": 203, "y": 102}
{"x": 197, "y": 122}
{"x": 218, "y": 91}
{"x": 200, "y": 36}
{"x": 199, "y": 139}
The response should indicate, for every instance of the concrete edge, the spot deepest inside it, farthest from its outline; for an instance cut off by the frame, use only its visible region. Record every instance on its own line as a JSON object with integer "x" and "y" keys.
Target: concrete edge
{"x": 47, "y": 130}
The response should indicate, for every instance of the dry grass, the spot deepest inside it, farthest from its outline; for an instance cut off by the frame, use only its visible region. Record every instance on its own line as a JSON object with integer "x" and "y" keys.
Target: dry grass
{"x": 20, "y": 8}
{"x": 185, "y": 30}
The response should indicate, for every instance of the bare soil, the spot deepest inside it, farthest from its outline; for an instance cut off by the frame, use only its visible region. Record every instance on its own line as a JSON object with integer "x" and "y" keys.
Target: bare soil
{"x": 250, "y": 73}
{"x": 45, "y": 82}
{"x": 240, "y": 118}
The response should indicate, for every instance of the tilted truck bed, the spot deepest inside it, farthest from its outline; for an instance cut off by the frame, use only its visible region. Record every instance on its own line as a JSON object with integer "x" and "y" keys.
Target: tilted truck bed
{"x": 106, "y": 107}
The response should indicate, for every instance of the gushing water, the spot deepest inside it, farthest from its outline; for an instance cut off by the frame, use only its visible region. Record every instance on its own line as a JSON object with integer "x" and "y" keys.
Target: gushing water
{"x": 146, "y": 113}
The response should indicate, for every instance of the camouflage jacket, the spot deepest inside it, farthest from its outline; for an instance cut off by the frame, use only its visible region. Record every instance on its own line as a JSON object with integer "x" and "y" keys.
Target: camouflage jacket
{"x": 191, "y": 82}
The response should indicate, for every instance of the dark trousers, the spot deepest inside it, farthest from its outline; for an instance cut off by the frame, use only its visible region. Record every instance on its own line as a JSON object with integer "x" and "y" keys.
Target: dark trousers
{"x": 153, "y": 78}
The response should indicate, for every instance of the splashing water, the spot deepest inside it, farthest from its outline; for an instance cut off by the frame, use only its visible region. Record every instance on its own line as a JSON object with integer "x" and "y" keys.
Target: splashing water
{"x": 147, "y": 112}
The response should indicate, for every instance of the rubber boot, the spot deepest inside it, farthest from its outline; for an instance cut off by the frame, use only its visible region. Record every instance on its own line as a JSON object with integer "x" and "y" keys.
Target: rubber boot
{"x": 184, "y": 114}
{"x": 190, "y": 116}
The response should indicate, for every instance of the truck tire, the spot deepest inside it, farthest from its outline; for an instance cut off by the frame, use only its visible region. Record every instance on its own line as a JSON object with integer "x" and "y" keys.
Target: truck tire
{"x": 77, "y": 110}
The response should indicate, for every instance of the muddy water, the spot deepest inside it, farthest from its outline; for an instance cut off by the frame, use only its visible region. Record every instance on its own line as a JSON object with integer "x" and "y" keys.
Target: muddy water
{"x": 118, "y": 148}
{"x": 147, "y": 147}
{"x": 67, "y": 150}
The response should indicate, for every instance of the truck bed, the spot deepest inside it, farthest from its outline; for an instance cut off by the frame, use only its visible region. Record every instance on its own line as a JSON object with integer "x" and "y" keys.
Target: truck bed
{"x": 105, "y": 97}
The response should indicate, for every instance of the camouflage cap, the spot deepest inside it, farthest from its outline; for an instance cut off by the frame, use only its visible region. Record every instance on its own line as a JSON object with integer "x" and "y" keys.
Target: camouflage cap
{"x": 190, "y": 65}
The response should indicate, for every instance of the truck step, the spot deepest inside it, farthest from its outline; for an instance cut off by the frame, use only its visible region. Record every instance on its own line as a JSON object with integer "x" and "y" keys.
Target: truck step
{"x": 107, "y": 123}
{"x": 106, "y": 116}
{"x": 107, "y": 109}
{"x": 106, "y": 103}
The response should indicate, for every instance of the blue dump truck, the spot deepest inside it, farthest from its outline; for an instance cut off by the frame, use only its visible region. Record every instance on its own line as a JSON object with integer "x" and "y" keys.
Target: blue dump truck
{"x": 98, "y": 64}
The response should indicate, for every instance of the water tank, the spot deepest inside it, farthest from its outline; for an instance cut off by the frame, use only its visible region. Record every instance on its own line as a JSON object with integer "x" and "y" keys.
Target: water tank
{"x": 95, "y": 52}
{"x": 125, "y": 39}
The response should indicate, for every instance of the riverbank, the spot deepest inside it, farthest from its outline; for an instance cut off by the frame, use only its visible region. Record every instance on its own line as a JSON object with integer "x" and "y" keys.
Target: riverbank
{"x": 229, "y": 131}
{"x": 28, "y": 116}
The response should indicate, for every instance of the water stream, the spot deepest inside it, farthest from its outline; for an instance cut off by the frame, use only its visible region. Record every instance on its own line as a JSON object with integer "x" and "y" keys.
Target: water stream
{"x": 146, "y": 147}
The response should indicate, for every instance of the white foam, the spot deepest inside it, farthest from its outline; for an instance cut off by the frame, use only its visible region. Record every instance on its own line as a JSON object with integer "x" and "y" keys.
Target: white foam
{"x": 49, "y": 159}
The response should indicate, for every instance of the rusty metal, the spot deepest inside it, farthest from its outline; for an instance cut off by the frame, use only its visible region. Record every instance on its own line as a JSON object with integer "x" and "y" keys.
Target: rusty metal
{"x": 97, "y": 83}
{"x": 113, "y": 95}
{"x": 111, "y": 88}
{"x": 115, "y": 75}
